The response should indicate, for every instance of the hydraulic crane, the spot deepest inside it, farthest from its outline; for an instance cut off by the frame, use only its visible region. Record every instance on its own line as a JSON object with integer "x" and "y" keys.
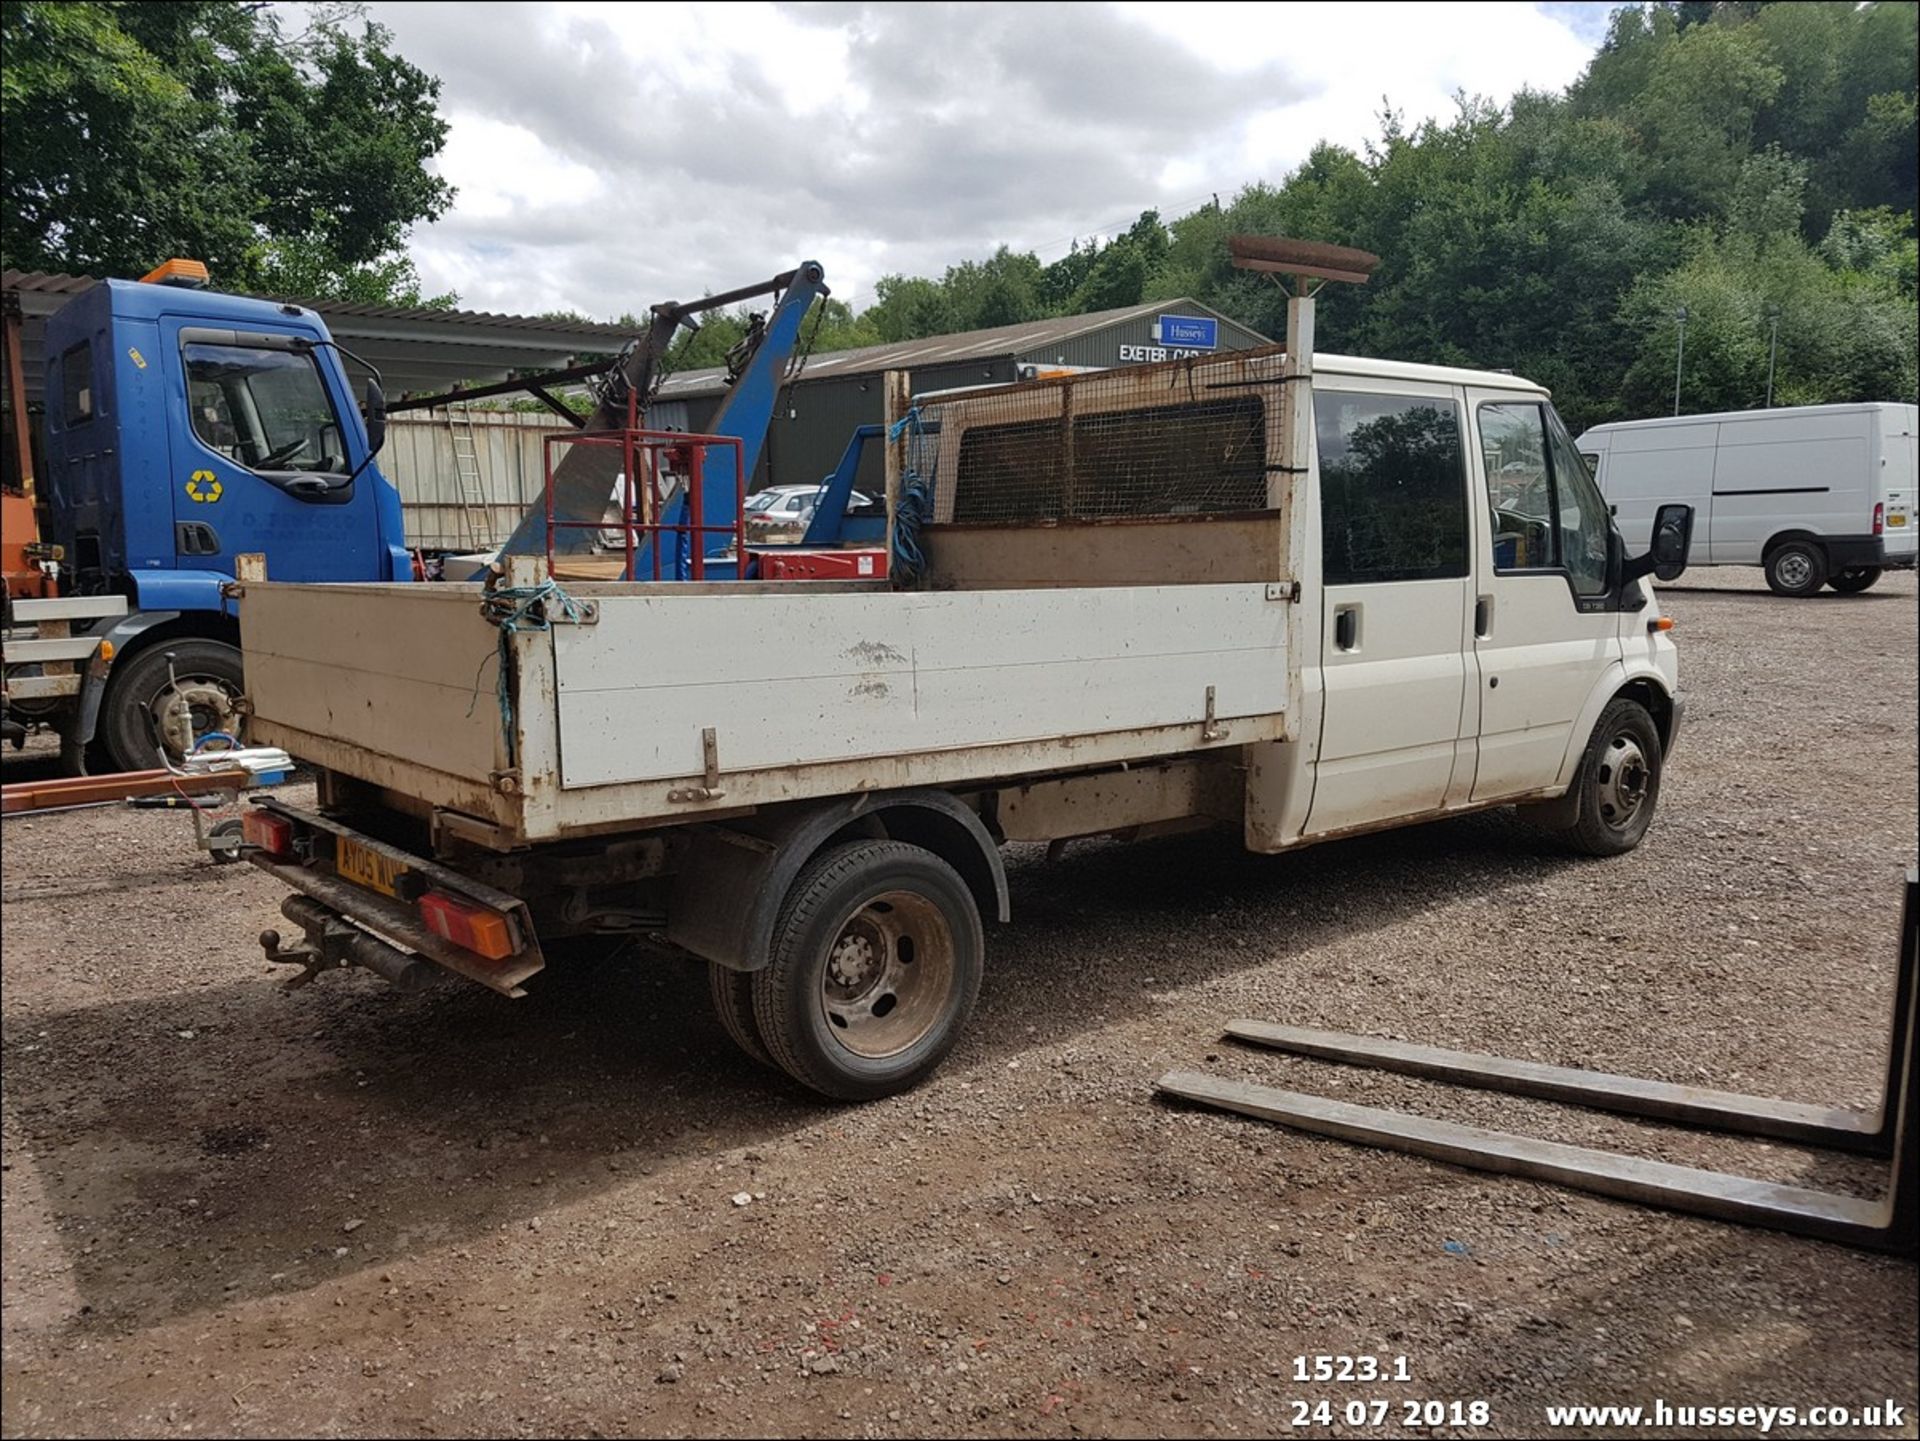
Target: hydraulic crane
{"x": 583, "y": 480}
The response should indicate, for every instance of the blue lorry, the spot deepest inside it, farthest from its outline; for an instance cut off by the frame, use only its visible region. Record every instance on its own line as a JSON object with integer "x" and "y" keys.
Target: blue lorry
{"x": 185, "y": 427}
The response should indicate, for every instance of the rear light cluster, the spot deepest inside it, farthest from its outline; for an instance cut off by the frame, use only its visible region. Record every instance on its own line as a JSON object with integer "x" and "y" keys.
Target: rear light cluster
{"x": 1879, "y": 517}
{"x": 474, "y": 928}
{"x": 272, "y": 833}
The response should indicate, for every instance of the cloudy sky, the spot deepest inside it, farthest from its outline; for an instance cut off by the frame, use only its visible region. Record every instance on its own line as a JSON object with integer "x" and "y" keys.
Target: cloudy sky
{"x": 611, "y": 155}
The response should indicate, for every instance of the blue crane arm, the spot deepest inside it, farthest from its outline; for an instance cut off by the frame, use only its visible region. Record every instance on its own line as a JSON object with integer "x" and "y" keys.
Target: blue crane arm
{"x": 584, "y": 480}
{"x": 746, "y": 412}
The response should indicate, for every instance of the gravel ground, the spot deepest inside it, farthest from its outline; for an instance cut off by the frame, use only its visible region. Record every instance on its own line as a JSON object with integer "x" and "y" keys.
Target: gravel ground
{"x": 339, "y": 1211}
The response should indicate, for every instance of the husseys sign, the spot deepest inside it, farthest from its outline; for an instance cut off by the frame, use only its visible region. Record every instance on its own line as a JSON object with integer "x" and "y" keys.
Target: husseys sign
{"x": 1175, "y": 337}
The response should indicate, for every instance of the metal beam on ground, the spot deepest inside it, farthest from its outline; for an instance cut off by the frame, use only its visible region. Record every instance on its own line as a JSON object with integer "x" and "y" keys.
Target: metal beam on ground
{"x": 1891, "y": 1223}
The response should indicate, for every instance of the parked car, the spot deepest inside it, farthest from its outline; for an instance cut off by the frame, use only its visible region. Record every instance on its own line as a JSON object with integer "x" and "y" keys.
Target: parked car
{"x": 1815, "y": 494}
{"x": 782, "y": 512}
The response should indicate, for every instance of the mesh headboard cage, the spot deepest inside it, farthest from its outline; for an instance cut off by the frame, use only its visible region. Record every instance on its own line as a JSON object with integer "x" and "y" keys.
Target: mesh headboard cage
{"x": 1185, "y": 437}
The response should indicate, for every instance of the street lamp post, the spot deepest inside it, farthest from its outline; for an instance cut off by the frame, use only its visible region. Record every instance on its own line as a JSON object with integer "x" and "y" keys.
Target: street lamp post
{"x": 1679, "y": 352}
{"x": 1773, "y": 346}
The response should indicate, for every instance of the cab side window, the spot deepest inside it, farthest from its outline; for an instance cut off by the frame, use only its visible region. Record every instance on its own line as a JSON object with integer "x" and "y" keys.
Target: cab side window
{"x": 1546, "y": 512}
{"x": 1393, "y": 488}
{"x": 265, "y": 409}
{"x": 76, "y": 384}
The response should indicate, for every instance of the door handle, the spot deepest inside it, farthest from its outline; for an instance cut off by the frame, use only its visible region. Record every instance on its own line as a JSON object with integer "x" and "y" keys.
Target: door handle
{"x": 1346, "y": 627}
{"x": 1483, "y": 617}
{"x": 307, "y": 488}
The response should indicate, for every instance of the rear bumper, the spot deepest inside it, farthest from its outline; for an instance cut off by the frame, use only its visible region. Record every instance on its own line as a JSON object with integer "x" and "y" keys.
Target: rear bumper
{"x": 1858, "y": 552}
{"x": 312, "y": 874}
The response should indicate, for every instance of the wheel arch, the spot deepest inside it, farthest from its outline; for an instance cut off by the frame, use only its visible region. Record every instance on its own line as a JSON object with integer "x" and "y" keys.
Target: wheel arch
{"x": 1643, "y": 684}
{"x": 1784, "y": 537}
{"x": 140, "y": 632}
{"x": 726, "y": 895}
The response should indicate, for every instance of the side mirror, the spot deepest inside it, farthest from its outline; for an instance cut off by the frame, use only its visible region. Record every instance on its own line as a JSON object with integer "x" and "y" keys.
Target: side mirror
{"x": 376, "y": 414}
{"x": 1666, "y": 559}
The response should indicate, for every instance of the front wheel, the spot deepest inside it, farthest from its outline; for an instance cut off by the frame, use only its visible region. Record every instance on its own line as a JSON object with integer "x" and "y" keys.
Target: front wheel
{"x": 875, "y": 967}
{"x": 151, "y": 710}
{"x": 1618, "y": 783}
{"x": 1796, "y": 568}
{"x": 1855, "y": 580}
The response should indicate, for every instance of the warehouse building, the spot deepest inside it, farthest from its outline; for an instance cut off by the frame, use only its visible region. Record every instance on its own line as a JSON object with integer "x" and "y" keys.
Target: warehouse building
{"x": 838, "y": 391}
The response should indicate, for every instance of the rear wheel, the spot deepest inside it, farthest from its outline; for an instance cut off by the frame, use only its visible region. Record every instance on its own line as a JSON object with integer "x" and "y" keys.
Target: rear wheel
{"x": 1852, "y": 582}
{"x": 1796, "y": 568}
{"x": 875, "y": 967}
{"x": 148, "y": 711}
{"x": 733, "y": 1004}
{"x": 1618, "y": 783}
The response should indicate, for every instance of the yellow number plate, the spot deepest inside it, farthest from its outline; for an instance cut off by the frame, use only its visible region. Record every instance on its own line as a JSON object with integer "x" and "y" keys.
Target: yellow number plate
{"x": 1896, "y": 520}
{"x": 367, "y": 868}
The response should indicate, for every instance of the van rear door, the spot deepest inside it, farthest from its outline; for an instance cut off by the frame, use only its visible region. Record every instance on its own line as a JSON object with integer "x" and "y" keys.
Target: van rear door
{"x": 1898, "y": 465}
{"x": 1395, "y": 735}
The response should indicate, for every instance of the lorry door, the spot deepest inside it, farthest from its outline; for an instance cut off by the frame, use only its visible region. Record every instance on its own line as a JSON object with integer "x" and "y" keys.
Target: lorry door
{"x": 1394, "y": 545}
{"x": 1789, "y": 469}
{"x": 263, "y": 446}
{"x": 1544, "y": 626}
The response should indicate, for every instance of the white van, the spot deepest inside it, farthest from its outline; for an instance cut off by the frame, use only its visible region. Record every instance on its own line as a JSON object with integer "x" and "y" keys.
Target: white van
{"x": 1817, "y": 494}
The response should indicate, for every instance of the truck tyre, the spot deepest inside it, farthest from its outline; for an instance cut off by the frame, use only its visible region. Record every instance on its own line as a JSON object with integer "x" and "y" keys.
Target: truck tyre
{"x": 1796, "y": 568}
{"x": 1618, "y": 783}
{"x": 1852, "y": 582}
{"x": 138, "y": 697}
{"x": 733, "y": 1004}
{"x": 874, "y": 968}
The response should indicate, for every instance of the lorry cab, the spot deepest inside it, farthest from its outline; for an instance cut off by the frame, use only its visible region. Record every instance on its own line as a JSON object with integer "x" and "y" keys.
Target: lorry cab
{"x": 186, "y": 427}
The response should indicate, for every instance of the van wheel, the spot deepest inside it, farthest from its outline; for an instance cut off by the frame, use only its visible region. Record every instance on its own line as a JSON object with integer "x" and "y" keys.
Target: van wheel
{"x": 733, "y": 1004}
{"x": 1618, "y": 783}
{"x": 1796, "y": 568}
{"x": 875, "y": 967}
{"x": 1852, "y": 582}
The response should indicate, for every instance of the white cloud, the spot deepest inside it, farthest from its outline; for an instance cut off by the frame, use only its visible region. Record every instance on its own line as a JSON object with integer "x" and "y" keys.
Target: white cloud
{"x": 609, "y": 156}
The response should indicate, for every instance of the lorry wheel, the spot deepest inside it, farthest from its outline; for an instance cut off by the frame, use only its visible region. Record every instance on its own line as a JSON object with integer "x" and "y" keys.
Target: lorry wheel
{"x": 1852, "y": 582}
{"x": 1796, "y": 568}
{"x": 733, "y": 1004}
{"x": 139, "y": 718}
{"x": 1618, "y": 783}
{"x": 875, "y": 966}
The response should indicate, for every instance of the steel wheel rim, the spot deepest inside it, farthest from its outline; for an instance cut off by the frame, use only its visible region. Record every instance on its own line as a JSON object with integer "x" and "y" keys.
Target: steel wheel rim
{"x": 1795, "y": 569}
{"x": 888, "y": 975}
{"x": 210, "y": 711}
{"x": 1622, "y": 781}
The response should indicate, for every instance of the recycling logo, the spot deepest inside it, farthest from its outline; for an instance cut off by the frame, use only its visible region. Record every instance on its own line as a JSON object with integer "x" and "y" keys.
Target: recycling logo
{"x": 203, "y": 485}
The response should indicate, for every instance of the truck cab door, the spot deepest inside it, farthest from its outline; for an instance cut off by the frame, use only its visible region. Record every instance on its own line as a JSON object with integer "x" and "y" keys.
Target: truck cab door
{"x": 1395, "y": 737}
{"x": 1545, "y": 624}
{"x": 264, "y": 442}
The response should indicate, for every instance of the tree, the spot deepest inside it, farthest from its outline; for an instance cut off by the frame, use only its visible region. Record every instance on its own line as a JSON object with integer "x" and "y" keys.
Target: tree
{"x": 290, "y": 164}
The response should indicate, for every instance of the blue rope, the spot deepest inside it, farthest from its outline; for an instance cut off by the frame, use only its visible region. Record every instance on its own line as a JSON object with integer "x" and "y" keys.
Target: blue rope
{"x": 914, "y": 508}
{"x": 514, "y": 609}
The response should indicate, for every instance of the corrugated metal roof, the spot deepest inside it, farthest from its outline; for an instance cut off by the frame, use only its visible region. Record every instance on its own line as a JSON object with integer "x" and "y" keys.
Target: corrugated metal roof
{"x": 34, "y": 282}
{"x": 946, "y": 349}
